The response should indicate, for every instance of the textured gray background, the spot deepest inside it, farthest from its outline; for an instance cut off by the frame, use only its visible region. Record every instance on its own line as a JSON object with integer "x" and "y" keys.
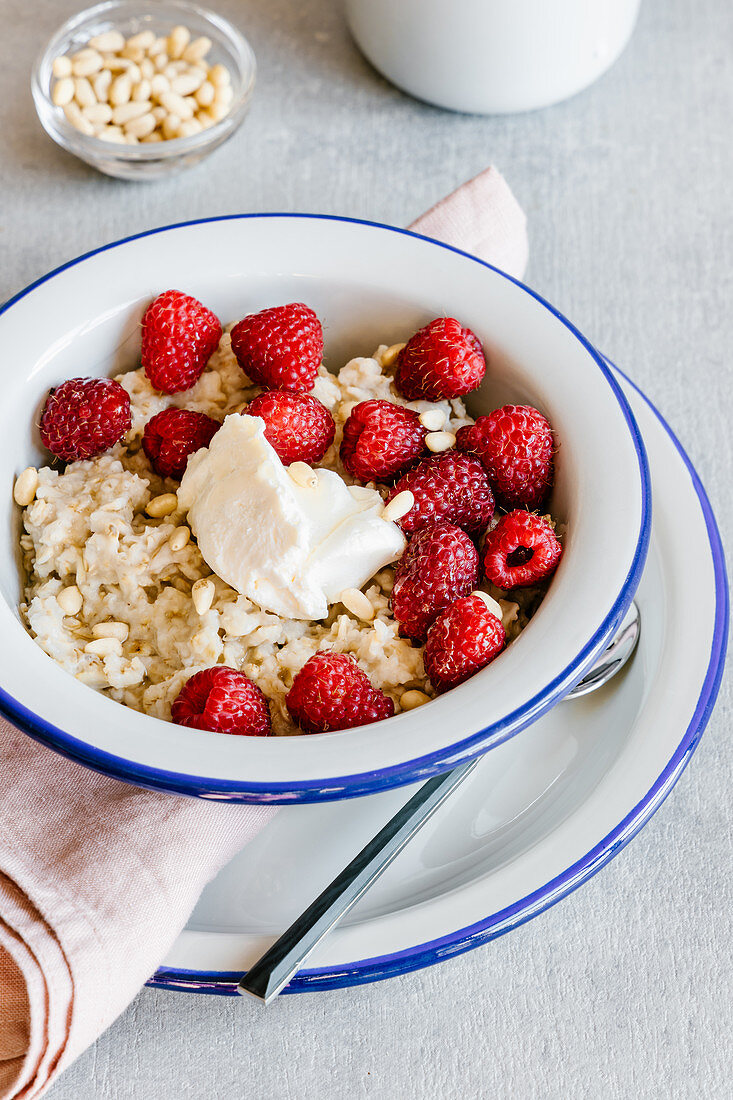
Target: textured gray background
{"x": 624, "y": 989}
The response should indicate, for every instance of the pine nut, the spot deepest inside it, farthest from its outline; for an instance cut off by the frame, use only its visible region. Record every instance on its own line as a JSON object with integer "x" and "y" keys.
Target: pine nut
{"x": 86, "y": 62}
{"x": 24, "y": 490}
{"x": 159, "y": 113}
{"x": 179, "y": 539}
{"x": 432, "y": 419}
{"x": 205, "y": 119}
{"x": 202, "y": 594}
{"x": 61, "y": 67}
{"x": 83, "y": 92}
{"x": 124, "y": 65}
{"x": 63, "y": 92}
{"x": 130, "y": 139}
{"x": 107, "y": 41}
{"x": 70, "y": 600}
{"x": 218, "y": 110}
{"x": 171, "y": 125}
{"x": 389, "y": 356}
{"x": 141, "y": 127}
{"x": 409, "y": 700}
{"x": 76, "y": 118}
{"x": 399, "y": 506}
{"x": 162, "y": 505}
{"x": 440, "y": 441}
{"x": 147, "y": 69}
{"x": 219, "y": 75}
{"x": 177, "y": 105}
{"x": 303, "y": 475}
{"x": 132, "y": 53}
{"x": 190, "y": 127}
{"x": 101, "y": 83}
{"x": 120, "y": 631}
{"x": 178, "y": 39}
{"x": 142, "y": 91}
{"x": 116, "y": 64}
{"x": 127, "y": 111}
{"x": 158, "y": 45}
{"x": 490, "y": 602}
{"x": 142, "y": 41}
{"x": 197, "y": 49}
{"x": 160, "y": 61}
{"x": 224, "y": 95}
{"x": 357, "y": 603}
{"x": 155, "y": 136}
{"x": 98, "y": 113}
{"x": 120, "y": 90}
{"x": 204, "y": 96}
{"x": 159, "y": 84}
{"x": 104, "y": 647}
{"x": 187, "y": 83}
{"x": 111, "y": 133}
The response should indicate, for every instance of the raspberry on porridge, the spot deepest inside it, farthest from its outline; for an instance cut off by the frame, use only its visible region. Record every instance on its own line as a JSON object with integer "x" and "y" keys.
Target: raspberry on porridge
{"x": 205, "y": 540}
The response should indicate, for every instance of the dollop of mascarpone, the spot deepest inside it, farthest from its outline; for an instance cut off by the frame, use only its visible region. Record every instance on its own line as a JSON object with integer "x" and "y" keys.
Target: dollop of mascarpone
{"x": 291, "y": 549}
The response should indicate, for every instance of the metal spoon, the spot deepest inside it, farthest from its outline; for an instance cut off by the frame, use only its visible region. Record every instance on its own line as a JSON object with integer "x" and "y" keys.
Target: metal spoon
{"x": 272, "y": 972}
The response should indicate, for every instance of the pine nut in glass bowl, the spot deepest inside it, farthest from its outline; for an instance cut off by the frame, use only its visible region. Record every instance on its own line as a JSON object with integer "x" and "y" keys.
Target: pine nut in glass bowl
{"x": 145, "y": 108}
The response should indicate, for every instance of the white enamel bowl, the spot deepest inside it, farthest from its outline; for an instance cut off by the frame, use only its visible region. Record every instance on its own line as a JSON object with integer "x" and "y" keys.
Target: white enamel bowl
{"x": 369, "y": 284}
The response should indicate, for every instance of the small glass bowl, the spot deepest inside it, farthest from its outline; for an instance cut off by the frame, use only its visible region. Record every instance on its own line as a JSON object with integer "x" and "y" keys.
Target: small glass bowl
{"x": 157, "y": 159}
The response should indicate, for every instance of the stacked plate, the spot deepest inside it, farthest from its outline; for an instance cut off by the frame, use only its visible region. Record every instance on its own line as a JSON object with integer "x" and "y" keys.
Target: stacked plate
{"x": 545, "y": 809}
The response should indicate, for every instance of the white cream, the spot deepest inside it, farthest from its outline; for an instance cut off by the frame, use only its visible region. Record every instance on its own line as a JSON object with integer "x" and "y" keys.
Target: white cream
{"x": 291, "y": 548}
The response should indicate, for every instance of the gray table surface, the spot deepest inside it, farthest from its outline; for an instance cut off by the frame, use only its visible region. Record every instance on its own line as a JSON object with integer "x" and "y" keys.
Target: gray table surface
{"x": 623, "y": 989}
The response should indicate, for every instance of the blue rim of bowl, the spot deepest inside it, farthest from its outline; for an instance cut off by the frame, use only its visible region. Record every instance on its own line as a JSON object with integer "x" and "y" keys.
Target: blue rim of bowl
{"x": 363, "y": 783}
{"x": 379, "y": 968}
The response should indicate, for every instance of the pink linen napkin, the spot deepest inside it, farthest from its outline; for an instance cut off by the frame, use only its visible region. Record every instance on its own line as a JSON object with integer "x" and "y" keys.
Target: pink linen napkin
{"x": 98, "y": 878}
{"x": 482, "y": 217}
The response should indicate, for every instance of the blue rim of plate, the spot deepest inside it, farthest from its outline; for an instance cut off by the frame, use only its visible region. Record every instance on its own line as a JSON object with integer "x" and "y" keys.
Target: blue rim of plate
{"x": 379, "y": 968}
{"x": 358, "y": 784}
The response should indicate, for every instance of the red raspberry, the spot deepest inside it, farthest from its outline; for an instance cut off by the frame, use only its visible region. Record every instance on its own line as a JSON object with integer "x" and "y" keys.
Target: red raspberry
{"x": 439, "y": 565}
{"x": 83, "y": 417}
{"x": 381, "y": 440}
{"x": 179, "y": 337}
{"x": 522, "y": 549}
{"x": 280, "y": 348}
{"x": 515, "y": 445}
{"x": 441, "y": 360}
{"x": 222, "y": 700}
{"x": 297, "y": 425}
{"x": 449, "y": 487}
{"x": 465, "y": 638}
{"x": 172, "y": 435}
{"x": 332, "y": 693}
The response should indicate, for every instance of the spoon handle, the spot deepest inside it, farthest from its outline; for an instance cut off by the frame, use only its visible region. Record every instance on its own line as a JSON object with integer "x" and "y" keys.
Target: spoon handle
{"x": 272, "y": 972}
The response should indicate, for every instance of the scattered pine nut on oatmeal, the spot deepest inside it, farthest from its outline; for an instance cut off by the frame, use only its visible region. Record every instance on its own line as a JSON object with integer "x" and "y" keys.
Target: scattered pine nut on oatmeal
{"x": 250, "y": 561}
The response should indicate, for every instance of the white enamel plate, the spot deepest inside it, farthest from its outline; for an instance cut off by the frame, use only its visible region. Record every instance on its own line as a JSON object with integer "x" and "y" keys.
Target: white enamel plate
{"x": 543, "y": 812}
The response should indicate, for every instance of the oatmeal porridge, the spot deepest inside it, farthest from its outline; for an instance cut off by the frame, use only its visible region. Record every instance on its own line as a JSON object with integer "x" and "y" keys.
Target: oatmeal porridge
{"x": 118, "y": 592}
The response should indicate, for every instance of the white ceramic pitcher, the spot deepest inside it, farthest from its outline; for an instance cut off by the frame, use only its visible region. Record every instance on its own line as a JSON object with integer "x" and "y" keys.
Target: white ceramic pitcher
{"x": 492, "y": 56}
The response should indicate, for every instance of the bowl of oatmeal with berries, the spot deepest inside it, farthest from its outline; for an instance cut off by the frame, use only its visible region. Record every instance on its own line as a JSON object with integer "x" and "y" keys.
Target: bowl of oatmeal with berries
{"x": 296, "y": 536}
